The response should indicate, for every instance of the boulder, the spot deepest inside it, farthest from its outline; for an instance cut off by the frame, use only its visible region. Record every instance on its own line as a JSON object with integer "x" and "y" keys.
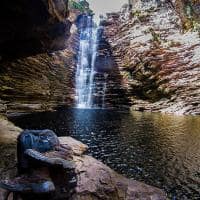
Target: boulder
{"x": 63, "y": 165}
{"x": 96, "y": 181}
{"x": 45, "y": 168}
{"x": 77, "y": 147}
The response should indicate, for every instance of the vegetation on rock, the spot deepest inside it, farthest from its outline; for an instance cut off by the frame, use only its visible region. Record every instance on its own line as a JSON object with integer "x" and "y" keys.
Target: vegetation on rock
{"x": 82, "y": 6}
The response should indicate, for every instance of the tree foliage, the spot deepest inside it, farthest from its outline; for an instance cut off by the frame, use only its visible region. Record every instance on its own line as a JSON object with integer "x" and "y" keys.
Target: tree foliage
{"x": 82, "y": 6}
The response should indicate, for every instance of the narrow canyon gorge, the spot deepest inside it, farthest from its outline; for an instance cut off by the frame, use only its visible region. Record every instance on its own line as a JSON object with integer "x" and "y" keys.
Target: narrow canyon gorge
{"x": 83, "y": 95}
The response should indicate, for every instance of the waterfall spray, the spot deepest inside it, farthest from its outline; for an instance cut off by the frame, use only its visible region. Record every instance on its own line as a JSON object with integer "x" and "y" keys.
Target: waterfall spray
{"x": 86, "y": 63}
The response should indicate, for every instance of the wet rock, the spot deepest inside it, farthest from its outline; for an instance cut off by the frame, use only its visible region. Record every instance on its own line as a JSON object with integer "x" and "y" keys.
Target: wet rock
{"x": 109, "y": 91}
{"x": 37, "y": 55}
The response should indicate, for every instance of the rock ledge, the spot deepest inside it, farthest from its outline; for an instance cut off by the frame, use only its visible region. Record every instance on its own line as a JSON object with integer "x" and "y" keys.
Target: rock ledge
{"x": 96, "y": 181}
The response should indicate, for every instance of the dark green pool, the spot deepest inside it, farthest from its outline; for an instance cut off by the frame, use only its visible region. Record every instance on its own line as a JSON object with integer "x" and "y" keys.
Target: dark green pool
{"x": 161, "y": 150}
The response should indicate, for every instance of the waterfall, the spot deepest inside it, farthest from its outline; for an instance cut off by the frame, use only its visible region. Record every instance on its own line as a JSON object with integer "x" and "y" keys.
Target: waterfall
{"x": 86, "y": 63}
{"x": 104, "y": 90}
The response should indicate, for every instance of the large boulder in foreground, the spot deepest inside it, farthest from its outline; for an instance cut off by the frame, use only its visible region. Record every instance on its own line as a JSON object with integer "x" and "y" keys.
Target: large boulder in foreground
{"x": 96, "y": 181}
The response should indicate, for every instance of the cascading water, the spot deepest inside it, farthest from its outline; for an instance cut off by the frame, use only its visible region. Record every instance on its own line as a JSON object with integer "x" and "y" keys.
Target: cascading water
{"x": 104, "y": 90}
{"x": 86, "y": 63}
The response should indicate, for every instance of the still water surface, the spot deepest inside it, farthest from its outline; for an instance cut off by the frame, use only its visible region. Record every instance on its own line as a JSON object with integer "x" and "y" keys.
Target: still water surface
{"x": 161, "y": 150}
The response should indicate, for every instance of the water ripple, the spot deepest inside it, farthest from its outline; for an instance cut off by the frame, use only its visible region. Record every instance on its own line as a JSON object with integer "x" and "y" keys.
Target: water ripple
{"x": 161, "y": 150}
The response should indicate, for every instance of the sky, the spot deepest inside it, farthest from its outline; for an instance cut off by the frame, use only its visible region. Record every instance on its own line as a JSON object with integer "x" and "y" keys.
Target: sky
{"x": 104, "y": 6}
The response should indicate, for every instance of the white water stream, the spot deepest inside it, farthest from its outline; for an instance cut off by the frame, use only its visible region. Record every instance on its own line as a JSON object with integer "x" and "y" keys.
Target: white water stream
{"x": 86, "y": 63}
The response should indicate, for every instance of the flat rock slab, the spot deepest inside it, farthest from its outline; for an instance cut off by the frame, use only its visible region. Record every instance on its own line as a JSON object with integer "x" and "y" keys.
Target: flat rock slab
{"x": 97, "y": 181}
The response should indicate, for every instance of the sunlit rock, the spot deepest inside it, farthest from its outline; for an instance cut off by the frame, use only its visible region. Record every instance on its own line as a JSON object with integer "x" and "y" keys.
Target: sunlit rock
{"x": 157, "y": 58}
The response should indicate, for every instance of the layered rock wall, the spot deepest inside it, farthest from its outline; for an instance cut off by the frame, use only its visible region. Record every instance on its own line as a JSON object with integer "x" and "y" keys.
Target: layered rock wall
{"x": 188, "y": 11}
{"x": 109, "y": 90}
{"x": 158, "y": 59}
{"x": 37, "y": 83}
{"x": 38, "y": 43}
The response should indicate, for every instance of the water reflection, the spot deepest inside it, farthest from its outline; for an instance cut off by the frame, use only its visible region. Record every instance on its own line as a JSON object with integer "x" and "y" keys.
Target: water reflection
{"x": 161, "y": 150}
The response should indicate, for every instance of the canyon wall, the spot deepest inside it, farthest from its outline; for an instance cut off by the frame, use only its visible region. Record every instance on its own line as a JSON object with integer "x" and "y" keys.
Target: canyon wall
{"x": 108, "y": 90}
{"x": 38, "y": 43}
{"x": 37, "y": 83}
{"x": 155, "y": 46}
{"x": 157, "y": 55}
{"x": 30, "y": 27}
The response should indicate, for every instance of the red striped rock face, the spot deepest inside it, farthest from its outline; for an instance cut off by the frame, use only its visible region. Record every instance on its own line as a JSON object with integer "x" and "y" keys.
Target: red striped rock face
{"x": 158, "y": 60}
